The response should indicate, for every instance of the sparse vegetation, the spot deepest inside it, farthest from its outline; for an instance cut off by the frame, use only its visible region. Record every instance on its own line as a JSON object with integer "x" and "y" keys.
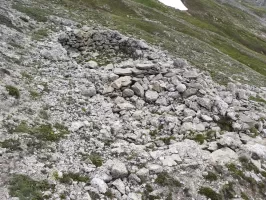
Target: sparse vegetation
{"x": 26, "y": 76}
{"x": 109, "y": 194}
{"x": 6, "y": 21}
{"x": 209, "y": 193}
{"x": 257, "y": 99}
{"x": 227, "y": 191}
{"x": 96, "y": 159}
{"x": 40, "y": 34}
{"x": 199, "y": 138}
{"x": 13, "y": 91}
{"x": 244, "y": 196}
{"x": 36, "y": 13}
{"x": 34, "y": 95}
{"x": 225, "y": 124}
{"x": 167, "y": 140}
{"x": 25, "y": 188}
{"x": 211, "y": 176}
{"x": 164, "y": 179}
{"x": 248, "y": 165}
{"x": 44, "y": 132}
{"x": 11, "y": 145}
{"x": 44, "y": 114}
{"x": 69, "y": 177}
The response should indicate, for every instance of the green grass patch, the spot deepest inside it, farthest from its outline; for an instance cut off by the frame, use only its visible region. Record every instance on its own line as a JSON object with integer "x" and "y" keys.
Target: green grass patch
{"x": 211, "y": 176}
{"x": 96, "y": 159}
{"x": 34, "y": 95}
{"x": 257, "y": 99}
{"x": 244, "y": 196}
{"x": 26, "y": 76}
{"x": 40, "y": 34}
{"x": 225, "y": 123}
{"x": 13, "y": 91}
{"x": 248, "y": 165}
{"x": 68, "y": 178}
{"x": 26, "y": 188}
{"x": 44, "y": 114}
{"x": 164, "y": 179}
{"x": 167, "y": 140}
{"x": 35, "y": 13}
{"x": 7, "y": 22}
{"x": 11, "y": 145}
{"x": 209, "y": 193}
{"x": 227, "y": 191}
{"x": 44, "y": 132}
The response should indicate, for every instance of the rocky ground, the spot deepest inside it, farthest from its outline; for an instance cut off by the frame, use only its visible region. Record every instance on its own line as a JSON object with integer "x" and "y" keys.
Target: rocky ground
{"x": 88, "y": 113}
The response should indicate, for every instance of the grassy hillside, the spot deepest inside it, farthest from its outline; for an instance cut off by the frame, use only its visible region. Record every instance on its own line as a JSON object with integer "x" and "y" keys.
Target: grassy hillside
{"x": 219, "y": 38}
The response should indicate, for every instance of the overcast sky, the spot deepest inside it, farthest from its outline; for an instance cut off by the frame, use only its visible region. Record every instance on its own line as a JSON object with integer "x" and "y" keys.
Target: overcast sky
{"x": 174, "y": 3}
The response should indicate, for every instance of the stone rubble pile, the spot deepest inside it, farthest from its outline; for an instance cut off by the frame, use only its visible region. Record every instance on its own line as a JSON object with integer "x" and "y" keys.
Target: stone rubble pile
{"x": 144, "y": 125}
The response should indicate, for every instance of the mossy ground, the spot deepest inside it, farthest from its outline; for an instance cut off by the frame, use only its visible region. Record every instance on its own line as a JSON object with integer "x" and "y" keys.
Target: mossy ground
{"x": 26, "y": 188}
{"x": 43, "y": 132}
{"x": 68, "y": 178}
{"x": 13, "y": 91}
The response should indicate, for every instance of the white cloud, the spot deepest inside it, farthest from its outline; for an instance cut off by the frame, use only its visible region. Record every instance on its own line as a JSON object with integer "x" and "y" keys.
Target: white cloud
{"x": 174, "y": 3}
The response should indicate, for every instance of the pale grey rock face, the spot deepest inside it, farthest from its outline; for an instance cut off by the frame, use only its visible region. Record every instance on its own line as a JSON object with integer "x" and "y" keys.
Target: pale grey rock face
{"x": 138, "y": 89}
{"x": 206, "y": 118}
{"x": 89, "y": 92}
{"x": 119, "y": 170}
{"x": 118, "y": 183}
{"x": 257, "y": 149}
{"x": 205, "y": 103}
{"x": 99, "y": 184}
{"x": 143, "y": 174}
{"x": 125, "y": 106}
{"x": 123, "y": 81}
{"x": 92, "y": 64}
{"x": 180, "y": 63}
{"x": 128, "y": 93}
{"x": 181, "y": 88}
{"x": 145, "y": 66}
{"x": 151, "y": 95}
{"x": 123, "y": 72}
{"x": 76, "y": 125}
{"x": 221, "y": 106}
{"x": 133, "y": 196}
{"x": 56, "y": 53}
{"x": 191, "y": 74}
{"x": 231, "y": 140}
{"x": 223, "y": 156}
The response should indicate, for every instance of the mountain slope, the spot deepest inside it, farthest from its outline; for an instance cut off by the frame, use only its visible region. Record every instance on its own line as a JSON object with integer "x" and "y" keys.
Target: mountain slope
{"x": 218, "y": 37}
{"x": 87, "y": 112}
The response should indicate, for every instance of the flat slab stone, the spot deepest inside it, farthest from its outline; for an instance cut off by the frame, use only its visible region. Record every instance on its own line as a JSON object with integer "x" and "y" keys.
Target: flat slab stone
{"x": 145, "y": 66}
{"x": 120, "y": 71}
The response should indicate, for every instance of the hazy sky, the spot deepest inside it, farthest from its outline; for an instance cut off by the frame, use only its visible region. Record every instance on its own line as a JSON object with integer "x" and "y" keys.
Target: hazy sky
{"x": 174, "y": 3}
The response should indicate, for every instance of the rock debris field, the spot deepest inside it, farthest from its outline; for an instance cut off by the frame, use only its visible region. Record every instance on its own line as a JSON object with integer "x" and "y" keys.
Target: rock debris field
{"x": 89, "y": 113}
